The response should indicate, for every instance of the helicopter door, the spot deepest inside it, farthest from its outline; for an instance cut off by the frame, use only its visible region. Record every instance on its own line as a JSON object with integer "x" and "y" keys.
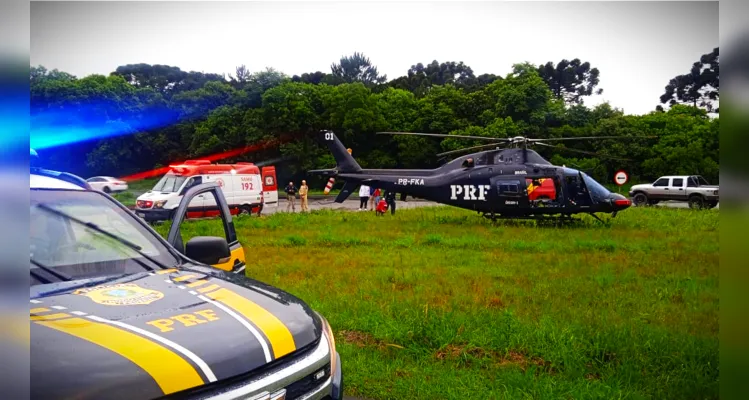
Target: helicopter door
{"x": 512, "y": 193}
{"x": 578, "y": 191}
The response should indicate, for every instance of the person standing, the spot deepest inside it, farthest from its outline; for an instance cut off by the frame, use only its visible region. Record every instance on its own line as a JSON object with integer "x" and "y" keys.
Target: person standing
{"x": 390, "y": 200}
{"x": 375, "y": 199}
{"x": 363, "y": 197}
{"x": 303, "y": 195}
{"x": 290, "y": 196}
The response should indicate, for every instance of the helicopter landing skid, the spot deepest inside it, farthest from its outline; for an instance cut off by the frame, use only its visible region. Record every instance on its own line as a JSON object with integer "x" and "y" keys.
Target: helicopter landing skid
{"x": 563, "y": 218}
{"x": 540, "y": 218}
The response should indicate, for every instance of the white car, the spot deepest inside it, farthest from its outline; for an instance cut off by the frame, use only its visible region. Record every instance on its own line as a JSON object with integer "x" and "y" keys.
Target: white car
{"x": 107, "y": 184}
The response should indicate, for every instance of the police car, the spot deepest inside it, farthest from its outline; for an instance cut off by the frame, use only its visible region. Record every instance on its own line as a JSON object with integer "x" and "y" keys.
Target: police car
{"x": 118, "y": 312}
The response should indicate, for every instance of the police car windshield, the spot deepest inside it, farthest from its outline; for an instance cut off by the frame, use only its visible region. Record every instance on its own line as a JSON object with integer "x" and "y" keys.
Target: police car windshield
{"x": 169, "y": 183}
{"x": 77, "y": 251}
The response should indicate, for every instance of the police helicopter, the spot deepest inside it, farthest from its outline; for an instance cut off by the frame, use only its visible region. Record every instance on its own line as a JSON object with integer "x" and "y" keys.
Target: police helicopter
{"x": 512, "y": 182}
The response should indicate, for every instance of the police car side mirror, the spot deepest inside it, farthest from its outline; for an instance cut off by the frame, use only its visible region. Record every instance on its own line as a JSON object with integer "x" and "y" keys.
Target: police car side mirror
{"x": 209, "y": 250}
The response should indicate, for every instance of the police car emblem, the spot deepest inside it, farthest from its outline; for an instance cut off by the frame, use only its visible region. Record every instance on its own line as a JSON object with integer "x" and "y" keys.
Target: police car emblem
{"x": 124, "y": 294}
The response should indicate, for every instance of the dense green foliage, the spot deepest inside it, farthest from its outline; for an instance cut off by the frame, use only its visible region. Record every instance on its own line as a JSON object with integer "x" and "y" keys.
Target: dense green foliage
{"x": 436, "y": 302}
{"x": 145, "y": 116}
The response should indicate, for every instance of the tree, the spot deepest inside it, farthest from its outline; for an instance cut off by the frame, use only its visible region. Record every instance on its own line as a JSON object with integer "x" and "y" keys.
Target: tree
{"x": 522, "y": 96}
{"x": 39, "y": 74}
{"x": 420, "y": 78}
{"x": 570, "y": 80}
{"x": 164, "y": 78}
{"x": 242, "y": 76}
{"x": 314, "y": 78}
{"x": 268, "y": 78}
{"x": 317, "y": 78}
{"x": 700, "y": 87}
{"x": 357, "y": 68}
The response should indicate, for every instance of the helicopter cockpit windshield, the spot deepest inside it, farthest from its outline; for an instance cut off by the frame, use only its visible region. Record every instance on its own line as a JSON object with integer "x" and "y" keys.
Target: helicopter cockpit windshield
{"x": 597, "y": 191}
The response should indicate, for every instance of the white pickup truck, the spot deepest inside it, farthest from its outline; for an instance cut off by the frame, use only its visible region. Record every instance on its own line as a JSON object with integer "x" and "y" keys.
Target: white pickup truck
{"x": 690, "y": 188}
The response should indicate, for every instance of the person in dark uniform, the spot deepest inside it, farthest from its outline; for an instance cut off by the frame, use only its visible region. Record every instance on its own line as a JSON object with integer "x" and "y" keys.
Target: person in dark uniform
{"x": 290, "y": 197}
{"x": 390, "y": 200}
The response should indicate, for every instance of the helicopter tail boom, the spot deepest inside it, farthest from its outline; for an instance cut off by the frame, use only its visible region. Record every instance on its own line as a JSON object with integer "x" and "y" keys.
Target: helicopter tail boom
{"x": 345, "y": 163}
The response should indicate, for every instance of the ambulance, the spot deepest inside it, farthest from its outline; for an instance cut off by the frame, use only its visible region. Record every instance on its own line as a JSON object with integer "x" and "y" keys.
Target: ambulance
{"x": 246, "y": 187}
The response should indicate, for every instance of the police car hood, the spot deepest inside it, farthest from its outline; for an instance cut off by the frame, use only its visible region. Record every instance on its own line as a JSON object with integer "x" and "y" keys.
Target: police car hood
{"x": 151, "y": 334}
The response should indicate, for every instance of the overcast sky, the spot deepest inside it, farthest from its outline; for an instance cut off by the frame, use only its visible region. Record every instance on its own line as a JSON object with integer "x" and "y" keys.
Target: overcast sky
{"x": 637, "y": 46}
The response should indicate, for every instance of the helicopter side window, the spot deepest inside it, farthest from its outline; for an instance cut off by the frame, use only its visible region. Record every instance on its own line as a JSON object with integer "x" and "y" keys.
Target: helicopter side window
{"x": 509, "y": 188}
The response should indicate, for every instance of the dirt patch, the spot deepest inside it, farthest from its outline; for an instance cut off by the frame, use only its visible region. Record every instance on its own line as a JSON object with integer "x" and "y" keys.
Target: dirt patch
{"x": 357, "y": 338}
{"x": 363, "y": 339}
{"x": 511, "y": 358}
{"x": 495, "y": 302}
{"x": 402, "y": 373}
{"x": 592, "y": 377}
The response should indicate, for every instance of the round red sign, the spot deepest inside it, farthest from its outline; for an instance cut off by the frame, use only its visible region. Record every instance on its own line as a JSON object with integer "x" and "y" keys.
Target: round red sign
{"x": 620, "y": 178}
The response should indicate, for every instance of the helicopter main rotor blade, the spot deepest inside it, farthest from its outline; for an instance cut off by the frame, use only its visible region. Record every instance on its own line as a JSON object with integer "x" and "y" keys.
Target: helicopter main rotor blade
{"x": 445, "y": 136}
{"x": 467, "y": 148}
{"x": 583, "y": 152}
{"x": 589, "y": 138}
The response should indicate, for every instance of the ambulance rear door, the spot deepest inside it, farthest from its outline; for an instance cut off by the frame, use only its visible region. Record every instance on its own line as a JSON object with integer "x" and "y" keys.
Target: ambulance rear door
{"x": 270, "y": 186}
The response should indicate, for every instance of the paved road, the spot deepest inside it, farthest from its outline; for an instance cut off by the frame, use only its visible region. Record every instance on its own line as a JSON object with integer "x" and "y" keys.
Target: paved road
{"x": 350, "y": 204}
{"x": 678, "y": 204}
{"x": 353, "y": 205}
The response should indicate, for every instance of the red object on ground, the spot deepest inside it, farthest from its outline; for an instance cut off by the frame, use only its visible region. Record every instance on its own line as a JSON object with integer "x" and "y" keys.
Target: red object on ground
{"x": 382, "y": 206}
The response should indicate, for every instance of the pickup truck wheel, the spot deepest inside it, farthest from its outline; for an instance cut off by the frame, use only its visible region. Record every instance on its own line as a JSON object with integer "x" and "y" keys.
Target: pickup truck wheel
{"x": 641, "y": 199}
{"x": 696, "y": 202}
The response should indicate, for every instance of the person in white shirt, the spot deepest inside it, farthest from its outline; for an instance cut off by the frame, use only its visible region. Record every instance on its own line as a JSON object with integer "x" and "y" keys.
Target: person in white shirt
{"x": 363, "y": 197}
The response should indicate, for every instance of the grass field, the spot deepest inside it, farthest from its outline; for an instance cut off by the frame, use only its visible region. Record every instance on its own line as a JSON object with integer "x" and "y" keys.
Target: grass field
{"x": 438, "y": 303}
